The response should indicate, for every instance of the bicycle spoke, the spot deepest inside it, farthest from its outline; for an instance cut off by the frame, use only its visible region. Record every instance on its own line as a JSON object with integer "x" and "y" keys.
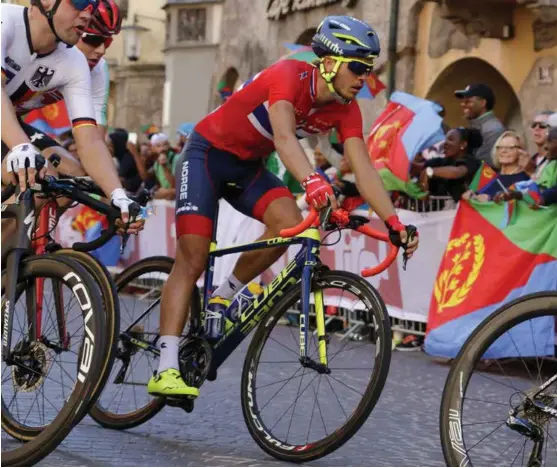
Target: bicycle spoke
{"x": 485, "y": 437}
{"x": 485, "y": 401}
{"x": 338, "y": 400}
{"x": 485, "y": 422}
{"x": 294, "y": 408}
{"x": 277, "y": 392}
{"x": 346, "y": 385}
{"x": 518, "y": 453}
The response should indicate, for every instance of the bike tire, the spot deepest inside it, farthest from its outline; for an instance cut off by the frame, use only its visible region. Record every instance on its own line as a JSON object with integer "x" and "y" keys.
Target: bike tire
{"x": 261, "y": 434}
{"x": 450, "y": 417}
{"x": 54, "y": 433}
{"x": 112, "y": 312}
{"x": 121, "y": 421}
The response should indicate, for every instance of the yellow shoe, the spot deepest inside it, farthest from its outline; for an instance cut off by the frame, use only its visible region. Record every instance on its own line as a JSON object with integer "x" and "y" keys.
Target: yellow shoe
{"x": 169, "y": 383}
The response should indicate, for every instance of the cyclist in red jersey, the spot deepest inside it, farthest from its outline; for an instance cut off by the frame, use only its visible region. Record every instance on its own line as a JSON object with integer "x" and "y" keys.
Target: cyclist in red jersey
{"x": 223, "y": 159}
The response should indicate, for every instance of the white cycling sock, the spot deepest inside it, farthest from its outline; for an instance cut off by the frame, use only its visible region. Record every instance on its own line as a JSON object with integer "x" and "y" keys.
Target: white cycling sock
{"x": 229, "y": 288}
{"x": 168, "y": 346}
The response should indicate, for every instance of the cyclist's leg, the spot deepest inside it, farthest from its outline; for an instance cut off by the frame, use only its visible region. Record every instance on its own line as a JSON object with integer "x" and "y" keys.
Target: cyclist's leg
{"x": 269, "y": 201}
{"x": 195, "y": 210}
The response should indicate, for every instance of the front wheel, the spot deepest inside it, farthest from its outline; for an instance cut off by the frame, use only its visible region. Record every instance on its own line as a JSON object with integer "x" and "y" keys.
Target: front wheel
{"x": 296, "y": 413}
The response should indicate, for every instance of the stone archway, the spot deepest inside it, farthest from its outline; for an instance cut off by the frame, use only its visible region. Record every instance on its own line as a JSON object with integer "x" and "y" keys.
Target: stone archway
{"x": 474, "y": 70}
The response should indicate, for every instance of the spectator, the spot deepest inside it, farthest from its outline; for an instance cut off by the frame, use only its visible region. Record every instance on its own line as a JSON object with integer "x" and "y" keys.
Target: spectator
{"x": 506, "y": 159}
{"x": 546, "y": 182}
{"x": 164, "y": 166}
{"x": 127, "y": 162}
{"x": 184, "y": 132}
{"x": 452, "y": 174}
{"x": 548, "y": 178}
{"x": 540, "y": 129}
{"x": 552, "y": 120}
{"x": 477, "y": 101}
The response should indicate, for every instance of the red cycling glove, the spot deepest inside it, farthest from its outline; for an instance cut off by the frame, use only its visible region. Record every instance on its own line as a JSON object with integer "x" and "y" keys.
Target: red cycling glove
{"x": 395, "y": 227}
{"x": 318, "y": 190}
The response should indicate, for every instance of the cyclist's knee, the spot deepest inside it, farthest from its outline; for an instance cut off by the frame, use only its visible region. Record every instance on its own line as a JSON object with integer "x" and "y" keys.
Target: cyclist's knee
{"x": 282, "y": 213}
{"x": 191, "y": 256}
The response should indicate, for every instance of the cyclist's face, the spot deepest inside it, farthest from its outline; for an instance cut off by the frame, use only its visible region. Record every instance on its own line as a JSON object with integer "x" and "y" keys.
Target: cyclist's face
{"x": 347, "y": 83}
{"x": 92, "y": 54}
{"x": 70, "y": 23}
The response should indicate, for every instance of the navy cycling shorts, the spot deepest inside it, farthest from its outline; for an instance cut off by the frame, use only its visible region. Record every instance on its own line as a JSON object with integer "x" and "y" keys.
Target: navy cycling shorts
{"x": 204, "y": 174}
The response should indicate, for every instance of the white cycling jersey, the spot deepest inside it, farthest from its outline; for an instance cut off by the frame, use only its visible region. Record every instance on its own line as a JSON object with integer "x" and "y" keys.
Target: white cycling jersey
{"x": 33, "y": 80}
{"x": 100, "y": 84}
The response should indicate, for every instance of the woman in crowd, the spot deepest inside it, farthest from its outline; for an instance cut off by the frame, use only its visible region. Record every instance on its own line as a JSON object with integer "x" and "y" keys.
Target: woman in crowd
{"x": 506, "y": 156}
{"x": 452, "y": 174}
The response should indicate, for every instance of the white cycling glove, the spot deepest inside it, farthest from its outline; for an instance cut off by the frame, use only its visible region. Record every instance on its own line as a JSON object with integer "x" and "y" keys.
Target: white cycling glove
{"x": 120, "y": 200}
{"x": 20, "y": 154}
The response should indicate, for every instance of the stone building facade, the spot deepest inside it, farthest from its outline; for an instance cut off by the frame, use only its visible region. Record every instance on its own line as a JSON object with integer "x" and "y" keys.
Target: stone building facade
{"x": 441, "y": 45}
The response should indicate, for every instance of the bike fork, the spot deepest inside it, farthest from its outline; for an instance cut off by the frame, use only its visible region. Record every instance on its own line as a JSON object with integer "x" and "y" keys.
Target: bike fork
{"x": 320, "y": 366}
{"x": 12, "y": 268}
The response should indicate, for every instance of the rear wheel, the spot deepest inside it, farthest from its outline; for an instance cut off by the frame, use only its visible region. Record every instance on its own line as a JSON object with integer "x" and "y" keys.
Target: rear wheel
{"x": 281, "y": 397}
{"x": 46, "y": 384}
{"x": 124, "y": 403}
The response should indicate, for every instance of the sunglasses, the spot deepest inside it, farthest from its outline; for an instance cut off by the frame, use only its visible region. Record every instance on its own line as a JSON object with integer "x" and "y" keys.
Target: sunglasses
{"x": 359, "y": 68}
{"x": 95, "y": 40}
{"x": 83, "y": 5}
{"x": 541, "y": 125}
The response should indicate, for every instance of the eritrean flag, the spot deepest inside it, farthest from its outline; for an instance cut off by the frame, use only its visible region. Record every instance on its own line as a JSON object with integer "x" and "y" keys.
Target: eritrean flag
{"x": 485, "y": 267}
{"x": 52, "y": 119}
{"x": 406, "y": 127}
{"x": 483, "y": 177}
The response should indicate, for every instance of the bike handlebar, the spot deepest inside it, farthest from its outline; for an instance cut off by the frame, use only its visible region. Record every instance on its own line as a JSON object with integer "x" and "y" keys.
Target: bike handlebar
{"x": 312, "y": 218}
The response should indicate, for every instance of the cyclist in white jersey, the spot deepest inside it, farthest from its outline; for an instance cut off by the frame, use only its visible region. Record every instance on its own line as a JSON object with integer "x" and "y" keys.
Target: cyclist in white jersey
{"x": 38, "y": 64}
{"x": 105, "y": 23}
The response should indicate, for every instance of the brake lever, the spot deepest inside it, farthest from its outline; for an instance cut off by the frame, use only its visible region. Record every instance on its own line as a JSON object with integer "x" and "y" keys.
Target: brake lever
{"x": 134, "y": 211}
{"x": 411, "y": 232}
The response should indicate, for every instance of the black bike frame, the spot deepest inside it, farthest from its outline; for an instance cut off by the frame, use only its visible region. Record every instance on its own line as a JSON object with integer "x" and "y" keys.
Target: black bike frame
{"x": 302, "y": 267}
{"x": 15, "y": 249}
{"x": 24, "y": 214}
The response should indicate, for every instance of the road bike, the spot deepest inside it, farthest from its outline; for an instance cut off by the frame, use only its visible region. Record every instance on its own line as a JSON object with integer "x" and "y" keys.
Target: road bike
{"x": 321, "y": 360}
{"x": 40, "y": 337}
{"x": 501, "y": 411}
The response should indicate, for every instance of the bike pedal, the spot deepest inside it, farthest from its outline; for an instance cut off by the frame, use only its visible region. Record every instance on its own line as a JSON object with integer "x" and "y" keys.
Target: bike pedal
{"x": 212, "y": 375}
{"x": 185, "y": 403}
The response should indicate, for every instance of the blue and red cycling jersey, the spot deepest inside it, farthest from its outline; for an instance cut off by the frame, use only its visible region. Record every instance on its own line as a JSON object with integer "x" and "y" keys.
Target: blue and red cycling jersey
{"x": 223, "y": 157}
{"x": 241, "y": 125}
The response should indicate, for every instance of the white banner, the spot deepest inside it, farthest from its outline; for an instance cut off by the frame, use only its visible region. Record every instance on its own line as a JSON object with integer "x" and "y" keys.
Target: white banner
{"x": 407, "y": 293}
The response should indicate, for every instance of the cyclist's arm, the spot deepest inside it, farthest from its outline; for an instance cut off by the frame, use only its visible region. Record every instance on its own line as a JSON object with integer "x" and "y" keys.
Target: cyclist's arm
{"x": 100, "y": 84}
{"x": 12, "y": 133}
{"x": 91, "y": 147}
{"x": 368, "y": 181}
{"x": 291, "y": 153}
{"x": 448, "y": 172}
